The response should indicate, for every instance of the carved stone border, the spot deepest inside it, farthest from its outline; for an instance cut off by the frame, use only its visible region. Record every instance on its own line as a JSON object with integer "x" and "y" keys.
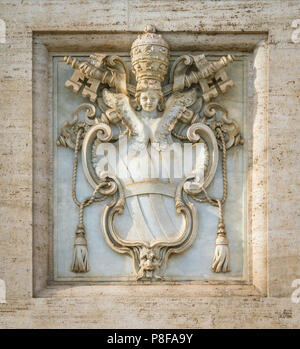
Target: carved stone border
{"x": 44, "y": 47}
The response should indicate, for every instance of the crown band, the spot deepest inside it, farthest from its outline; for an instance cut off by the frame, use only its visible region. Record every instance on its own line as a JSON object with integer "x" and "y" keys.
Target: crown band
{"x": 149, "y": 57}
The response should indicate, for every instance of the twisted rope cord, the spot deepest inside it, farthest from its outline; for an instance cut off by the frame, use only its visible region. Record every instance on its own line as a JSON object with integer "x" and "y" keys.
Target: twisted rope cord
{"x": 214, "y": 201}
{"x": 88, "y": 201}
{"x": 220, "y": 211}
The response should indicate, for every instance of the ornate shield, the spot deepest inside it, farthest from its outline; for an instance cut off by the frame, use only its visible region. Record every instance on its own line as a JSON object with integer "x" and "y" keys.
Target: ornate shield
{"x": 151, "y": 151}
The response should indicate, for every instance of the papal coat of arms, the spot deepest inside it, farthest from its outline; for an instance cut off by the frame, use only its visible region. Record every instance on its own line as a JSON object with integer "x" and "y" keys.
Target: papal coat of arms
{"x": 152, "y": 152}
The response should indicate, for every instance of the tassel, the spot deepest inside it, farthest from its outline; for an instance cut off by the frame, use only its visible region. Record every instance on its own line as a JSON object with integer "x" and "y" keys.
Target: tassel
{"x": 80, "y": 262}
{"x": 220, "y": 263}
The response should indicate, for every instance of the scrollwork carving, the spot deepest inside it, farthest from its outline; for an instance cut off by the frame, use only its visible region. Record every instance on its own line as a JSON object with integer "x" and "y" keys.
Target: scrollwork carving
{"x": 150, "y": 117}
{"x": 69, "y": 130}
{"x": 229, "y": 126}
{"x": 150, "y": 259}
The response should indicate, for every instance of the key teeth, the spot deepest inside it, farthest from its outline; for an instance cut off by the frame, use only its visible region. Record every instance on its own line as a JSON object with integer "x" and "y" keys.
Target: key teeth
{"x": 73, "y": 85}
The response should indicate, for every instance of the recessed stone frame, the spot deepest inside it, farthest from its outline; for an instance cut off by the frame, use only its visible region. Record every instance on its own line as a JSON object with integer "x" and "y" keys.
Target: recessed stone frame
{"x": 47, "y": 45}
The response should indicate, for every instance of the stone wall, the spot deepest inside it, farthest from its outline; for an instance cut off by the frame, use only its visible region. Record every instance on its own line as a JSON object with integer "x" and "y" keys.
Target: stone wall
{"x": 274, "y": 174}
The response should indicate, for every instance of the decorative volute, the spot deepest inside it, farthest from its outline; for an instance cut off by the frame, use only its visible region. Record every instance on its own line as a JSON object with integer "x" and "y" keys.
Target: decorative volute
{"x": 152, "y": 121}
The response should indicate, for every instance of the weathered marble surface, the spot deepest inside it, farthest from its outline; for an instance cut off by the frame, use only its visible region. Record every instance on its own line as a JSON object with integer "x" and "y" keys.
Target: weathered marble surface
{"x": 194, "y": 264}
{"x": 279, "y": 216}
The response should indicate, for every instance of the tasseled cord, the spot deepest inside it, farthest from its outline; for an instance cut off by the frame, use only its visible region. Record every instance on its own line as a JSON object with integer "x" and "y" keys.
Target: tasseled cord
{"x": 80, "y": 263}
{"x": 220, "y": 261}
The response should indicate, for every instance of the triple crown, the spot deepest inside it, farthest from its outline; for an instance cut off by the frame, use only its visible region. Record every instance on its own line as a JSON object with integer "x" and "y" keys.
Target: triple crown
{"x": 149, "y": 56}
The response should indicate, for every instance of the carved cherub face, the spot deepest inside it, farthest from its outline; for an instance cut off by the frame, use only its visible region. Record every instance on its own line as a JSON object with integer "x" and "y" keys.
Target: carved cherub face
{"x": 149, "y": 100}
